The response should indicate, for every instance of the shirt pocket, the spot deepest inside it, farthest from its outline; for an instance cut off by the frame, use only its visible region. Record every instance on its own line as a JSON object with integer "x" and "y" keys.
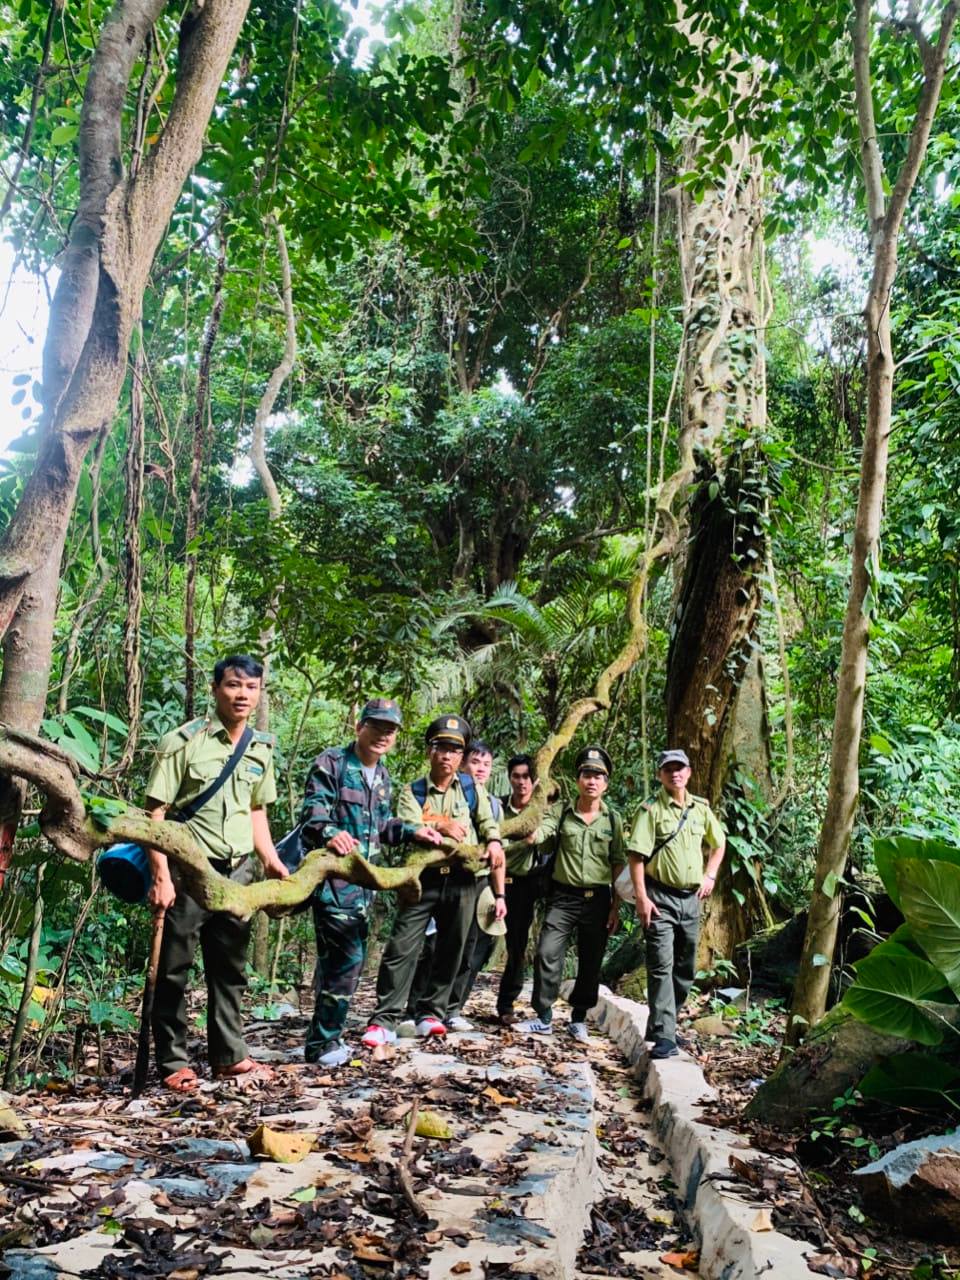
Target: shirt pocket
{"x": 200, "y": 773}
{"x": 697, "y": 824}
{"x": 666, "y": 828}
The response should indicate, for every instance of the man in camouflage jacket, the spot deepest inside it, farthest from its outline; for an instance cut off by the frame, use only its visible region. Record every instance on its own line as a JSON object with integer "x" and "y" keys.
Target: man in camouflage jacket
{"x": 346, "y": 809}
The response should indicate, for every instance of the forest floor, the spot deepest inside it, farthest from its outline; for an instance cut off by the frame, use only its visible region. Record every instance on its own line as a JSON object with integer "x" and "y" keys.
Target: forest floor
{"x": 103, "y": 1185}
{"x": 821, "y": 1206}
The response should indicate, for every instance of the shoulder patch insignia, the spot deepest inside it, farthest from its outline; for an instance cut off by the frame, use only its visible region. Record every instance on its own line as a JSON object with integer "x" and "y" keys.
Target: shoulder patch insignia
{"x": 269, "y": 738}
{"x": 192, "y": 728}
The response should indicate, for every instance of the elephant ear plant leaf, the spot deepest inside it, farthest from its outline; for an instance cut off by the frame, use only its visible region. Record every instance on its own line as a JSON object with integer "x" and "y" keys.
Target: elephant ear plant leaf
{"x": 930, "y": 900}
{"x": 889, "y": 852}
{"x": 909, "y": 985}
{"x": 914, "y": 1080}
{"x": 892, "y": 993}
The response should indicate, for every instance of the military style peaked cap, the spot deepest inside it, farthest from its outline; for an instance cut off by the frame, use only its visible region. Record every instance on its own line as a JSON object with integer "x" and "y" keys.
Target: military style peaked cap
{"x": 594, "y": 758}
{"x": 449, "y": 728}
{"x": 675, "y": 756}
{"x": 382, "y": 709}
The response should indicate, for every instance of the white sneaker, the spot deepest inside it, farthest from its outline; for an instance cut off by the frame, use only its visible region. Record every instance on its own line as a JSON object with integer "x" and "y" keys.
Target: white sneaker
{"x": 375, "y": 1035}
{"x": 336, "y": 1055}
{"x": 430, "y": 1026}
{"x": 578, "y": 1030}
{"x": 534, "y": 1027}
{"x": 407, "y": 1029}
{"x": 459, "y": 1024}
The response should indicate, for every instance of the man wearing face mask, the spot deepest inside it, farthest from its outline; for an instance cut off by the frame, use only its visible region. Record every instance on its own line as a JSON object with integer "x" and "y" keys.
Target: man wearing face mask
{"x": 666, "y": 849}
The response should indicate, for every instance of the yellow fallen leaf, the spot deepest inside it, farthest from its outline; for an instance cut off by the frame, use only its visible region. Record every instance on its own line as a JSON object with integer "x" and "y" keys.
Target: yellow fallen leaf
{"x": 284, "y": 1148}
{"x": 499, "y": 1098}
{"x": 430, "y": 1125}
{"x": 10, "y": 1122}
{"x": 762, "y": 1222}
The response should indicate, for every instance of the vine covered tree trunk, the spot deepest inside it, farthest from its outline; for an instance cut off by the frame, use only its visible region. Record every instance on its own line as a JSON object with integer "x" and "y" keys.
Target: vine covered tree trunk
{"x": 114, "y": 235}
{"x": 718, "y": 600}
{"x": 885, "y": 221}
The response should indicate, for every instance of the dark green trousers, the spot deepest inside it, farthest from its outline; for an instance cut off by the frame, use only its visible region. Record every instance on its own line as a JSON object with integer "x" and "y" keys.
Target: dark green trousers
{"x": 476, "y": 952}
{"x": 223, "y": 943}
{"x": 580, "y": 913}
{"x": 452, "y": 901}
{"x": 341, "y": 925}
{"x": 671, "y": 955}
{"x": 522, "y": 894}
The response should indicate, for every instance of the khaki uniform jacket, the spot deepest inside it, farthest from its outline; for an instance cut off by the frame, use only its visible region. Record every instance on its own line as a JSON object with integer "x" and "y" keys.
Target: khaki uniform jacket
{"x": 679, "y": 863}
{"x": 188, "y": 760}
{"x": 586, "y": 852}
{"x": 482, "y": 827}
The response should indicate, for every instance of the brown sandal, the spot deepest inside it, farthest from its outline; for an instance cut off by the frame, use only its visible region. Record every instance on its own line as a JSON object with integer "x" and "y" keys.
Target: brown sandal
{"x": 247, "y": 1069}
{"x": 183, "y": 1081}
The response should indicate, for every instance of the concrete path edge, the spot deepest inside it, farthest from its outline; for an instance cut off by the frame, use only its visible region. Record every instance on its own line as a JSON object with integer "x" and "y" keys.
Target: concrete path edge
{"x": 731, "y": 1248}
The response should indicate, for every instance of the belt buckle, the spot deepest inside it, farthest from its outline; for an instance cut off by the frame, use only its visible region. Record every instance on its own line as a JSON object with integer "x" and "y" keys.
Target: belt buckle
{"x": 445, "y": 870}
{"x": 508, "y": 879}
{"x": 589, "y": 893}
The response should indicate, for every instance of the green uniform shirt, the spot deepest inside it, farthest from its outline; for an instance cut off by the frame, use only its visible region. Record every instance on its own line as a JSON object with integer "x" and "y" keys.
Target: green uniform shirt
{"x": 188, "y": 760}
{"x": 452, "y": 803}
{"x": 679, "y": 863}
{"x": 520, "y": 861}
{"x": 586, "y": 851}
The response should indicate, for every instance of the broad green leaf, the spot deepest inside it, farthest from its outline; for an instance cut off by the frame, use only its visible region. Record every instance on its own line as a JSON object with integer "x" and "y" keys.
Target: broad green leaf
{"x": 888, "y": 995}
{"x": 889, "y": 851}
{"x": 930, "y": 893}
{"x": 94, "y": 713}
{"x": 914, "y": 1080}
{"x": 63, "y": 134}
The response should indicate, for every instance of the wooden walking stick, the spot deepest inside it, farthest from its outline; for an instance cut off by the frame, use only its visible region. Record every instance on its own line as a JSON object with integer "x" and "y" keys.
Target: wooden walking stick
{"x": 149, "y": 986}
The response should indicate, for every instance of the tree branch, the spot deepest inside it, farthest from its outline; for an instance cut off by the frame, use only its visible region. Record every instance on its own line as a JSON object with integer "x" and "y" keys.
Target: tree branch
{"x": 871, "y": 159}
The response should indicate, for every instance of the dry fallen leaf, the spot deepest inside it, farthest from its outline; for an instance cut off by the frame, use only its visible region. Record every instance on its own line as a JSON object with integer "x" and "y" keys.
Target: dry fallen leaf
{"x": 499, "y": 1098}
{"x": 832, "y": 1264}
{"x": 10, "y": 1123}
{"x": 430, "y": 1125}
{"x": 184, "y": 1273}
{"x": 384, "y": 1052}
{"x": 688, "y": 1261}
{"x": 460, "y": 1268}
{"x": 284, "y": 1148}
{"x": 762, "y": 1222}
{"x": 359, "y": 1155}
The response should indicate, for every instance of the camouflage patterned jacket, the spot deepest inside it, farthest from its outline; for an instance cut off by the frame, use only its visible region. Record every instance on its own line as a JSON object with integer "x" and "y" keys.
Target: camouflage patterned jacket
{"x": 337, "y": 798}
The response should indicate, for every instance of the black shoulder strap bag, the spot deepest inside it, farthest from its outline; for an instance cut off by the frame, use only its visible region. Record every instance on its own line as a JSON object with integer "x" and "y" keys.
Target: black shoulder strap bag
{"x": 662, "y": 844}
{"x": 196, "y": 804}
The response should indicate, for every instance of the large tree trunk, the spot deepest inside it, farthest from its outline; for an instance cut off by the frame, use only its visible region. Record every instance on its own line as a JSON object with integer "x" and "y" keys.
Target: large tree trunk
{"x": 810, "y": 996}
{"x": 114, "y": 235}
{"x": 258, "y": 456}
{"x": 718, "y": 602}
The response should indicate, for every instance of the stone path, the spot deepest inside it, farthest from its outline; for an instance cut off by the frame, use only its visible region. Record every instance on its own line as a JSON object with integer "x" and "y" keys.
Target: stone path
{"x": 549, "y": 1140}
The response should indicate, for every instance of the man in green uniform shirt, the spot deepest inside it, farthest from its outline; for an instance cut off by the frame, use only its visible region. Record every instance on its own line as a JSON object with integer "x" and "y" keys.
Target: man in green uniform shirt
{"x": 229, "y": 826}
{"x": 666, "y": 851}
{"x": 449, "y": 891}
{"x": 588, "y": 839}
